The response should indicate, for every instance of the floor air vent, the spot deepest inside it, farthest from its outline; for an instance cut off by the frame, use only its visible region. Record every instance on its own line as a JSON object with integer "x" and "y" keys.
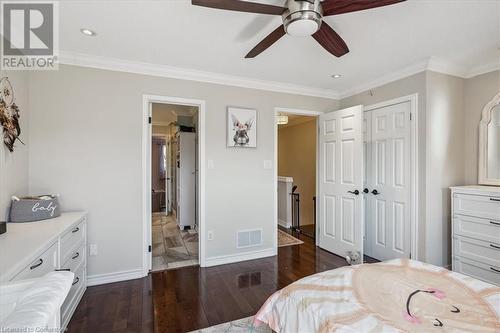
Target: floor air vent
{"x": 249, "y": 238}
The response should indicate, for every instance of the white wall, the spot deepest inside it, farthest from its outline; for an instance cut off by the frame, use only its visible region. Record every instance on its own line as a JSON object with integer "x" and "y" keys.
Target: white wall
{"x": 14, "y": 166}
{"x": 445, "y": 160}
{"x": 86, "y": 145}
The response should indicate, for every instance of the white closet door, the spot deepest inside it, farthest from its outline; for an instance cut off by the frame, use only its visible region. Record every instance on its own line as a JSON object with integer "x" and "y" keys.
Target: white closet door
{"x": 340, "y": 176}
{"x": 367, "y": 182}
{"x": 390, "y": 177}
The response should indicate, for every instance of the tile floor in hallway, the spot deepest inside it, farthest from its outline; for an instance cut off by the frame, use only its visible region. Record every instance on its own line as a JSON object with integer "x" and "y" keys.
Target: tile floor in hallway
{"x": 172, "y": 247}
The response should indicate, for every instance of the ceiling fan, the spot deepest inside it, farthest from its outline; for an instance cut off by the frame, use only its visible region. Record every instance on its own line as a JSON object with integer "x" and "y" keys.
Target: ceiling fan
{"x": 300, "y": 18}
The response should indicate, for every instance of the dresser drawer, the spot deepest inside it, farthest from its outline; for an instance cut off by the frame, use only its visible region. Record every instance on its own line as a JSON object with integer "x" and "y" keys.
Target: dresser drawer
{"x": 478, "y": 250}
{"x": 72, "y": 239}
{"x": 42, "y": 265}
{"x": 487, "y": 207}
{"x": 483, "y": 229}
{"x": 74, "y": 294}
{"x": 477, "y": 270}
{"x": 75, "y": 258}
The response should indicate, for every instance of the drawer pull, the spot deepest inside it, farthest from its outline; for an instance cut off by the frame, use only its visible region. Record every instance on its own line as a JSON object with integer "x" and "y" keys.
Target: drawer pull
{"x": 495, "y": 199}
{"x": 78, "y": 254}
{"x": 495, "y": 270}
{"x": 77, "y": 279}
{"x": 40, "y": 262}
{"x": 495, "y": 223}
{"x": 495, "y": 246}
{"x": 75, "y": 230}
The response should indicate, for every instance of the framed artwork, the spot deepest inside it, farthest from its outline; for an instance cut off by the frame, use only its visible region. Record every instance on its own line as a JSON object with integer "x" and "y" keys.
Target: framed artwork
{"x": 241, "y": 127}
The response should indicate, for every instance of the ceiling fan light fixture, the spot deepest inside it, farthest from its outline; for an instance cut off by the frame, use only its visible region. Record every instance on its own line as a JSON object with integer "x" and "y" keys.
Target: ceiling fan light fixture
{"x": 302, "y": 28}
{"x": 302, "y": 18}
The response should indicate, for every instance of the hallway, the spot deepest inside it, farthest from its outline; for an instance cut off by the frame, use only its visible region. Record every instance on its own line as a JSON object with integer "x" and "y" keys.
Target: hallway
{"x": 172, "y": 248}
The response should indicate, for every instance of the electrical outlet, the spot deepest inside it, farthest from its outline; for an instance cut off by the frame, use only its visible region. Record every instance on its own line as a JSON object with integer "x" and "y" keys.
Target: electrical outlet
{"x": 93, "y": 251}
{"x": 210, "y": 235}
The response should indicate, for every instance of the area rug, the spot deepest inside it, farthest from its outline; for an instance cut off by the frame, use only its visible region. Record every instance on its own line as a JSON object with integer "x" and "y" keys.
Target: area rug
{"x": 285, "y": 239}
{"x": 237, "y": 326}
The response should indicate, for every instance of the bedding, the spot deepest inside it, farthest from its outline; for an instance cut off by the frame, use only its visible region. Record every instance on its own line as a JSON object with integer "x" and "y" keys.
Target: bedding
{"x": 395, "y": 296}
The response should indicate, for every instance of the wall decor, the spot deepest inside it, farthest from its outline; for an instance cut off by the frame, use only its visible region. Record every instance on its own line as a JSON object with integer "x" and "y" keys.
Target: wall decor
{"x": 241, "y": 127}
{"x": 9, "y": 114}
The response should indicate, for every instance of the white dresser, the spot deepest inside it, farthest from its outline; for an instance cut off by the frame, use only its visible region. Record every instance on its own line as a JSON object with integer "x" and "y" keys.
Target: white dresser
{"x": 30, "y": 250}
{"x": 476, "y": 232}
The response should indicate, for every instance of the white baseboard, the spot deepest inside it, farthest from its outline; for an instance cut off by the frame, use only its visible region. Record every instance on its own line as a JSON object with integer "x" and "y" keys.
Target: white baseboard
{"x": 229, "y": 259}
{"x": 284, "y": 224}
{"x": 94, "y": 280}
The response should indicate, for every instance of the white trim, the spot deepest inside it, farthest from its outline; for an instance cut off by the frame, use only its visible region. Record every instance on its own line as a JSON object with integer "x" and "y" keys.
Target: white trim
{"x": 121, "y": 65}
{"x": 95, "y": 280}
{"x": 278, "y": 110}
{"x": 432, "y": 64}
{"x": 285, "y": 179}
{"x": 161, "y": 123}
{"x": 136, "y": 67}
{"x": 391, "y": 77}
{"x": 483, "y": 69}
{"x": 232, "y": 258}
{"x": 146, "y": 171}
{"x": 415, "y": 222}
{"x": 284, "y": 224}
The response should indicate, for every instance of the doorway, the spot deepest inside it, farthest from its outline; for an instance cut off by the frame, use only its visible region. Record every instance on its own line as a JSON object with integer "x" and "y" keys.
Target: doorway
{"x": 173, "y": 182}
{"x": 367, "y": 188}
{"x": 296, "y": 169}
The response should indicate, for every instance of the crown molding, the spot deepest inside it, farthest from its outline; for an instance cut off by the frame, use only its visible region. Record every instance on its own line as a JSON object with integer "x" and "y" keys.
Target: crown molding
{"x": 483, "y": 69}
{"x": 121, "y": 65}
{"x": 114, "y": 64}
{"x": 385, "y": 79}
{"x": 433, "y": 64}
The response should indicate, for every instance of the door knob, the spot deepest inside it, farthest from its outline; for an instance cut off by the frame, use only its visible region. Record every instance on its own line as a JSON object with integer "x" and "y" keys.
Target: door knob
{"x": 375, "y": 192}
{"x": 356, "y": 192}
{"x": 366, "y": 190}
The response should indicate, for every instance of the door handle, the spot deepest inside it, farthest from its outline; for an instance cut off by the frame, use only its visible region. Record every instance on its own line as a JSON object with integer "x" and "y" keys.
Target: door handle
{"x": 375, "y": 192}
{"x": 366, "y": 190}
{"x": 494, "y": 199}
{"x": 355, "y": 192}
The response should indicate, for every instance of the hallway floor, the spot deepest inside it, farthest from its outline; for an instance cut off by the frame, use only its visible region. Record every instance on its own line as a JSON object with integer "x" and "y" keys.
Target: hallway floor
{"x": 172, "y": 248}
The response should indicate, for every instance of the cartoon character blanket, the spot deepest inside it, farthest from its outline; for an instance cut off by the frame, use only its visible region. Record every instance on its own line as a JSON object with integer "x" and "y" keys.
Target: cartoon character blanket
{"x": 395, "y": 296}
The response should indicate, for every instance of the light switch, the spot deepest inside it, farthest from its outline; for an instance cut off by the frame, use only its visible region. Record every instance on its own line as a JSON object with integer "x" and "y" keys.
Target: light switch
{"x": 210, "y": 164}
{"x": 268, "y": 164}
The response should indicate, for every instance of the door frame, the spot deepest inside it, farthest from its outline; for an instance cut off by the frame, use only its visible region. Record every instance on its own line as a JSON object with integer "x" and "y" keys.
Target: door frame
{"x": 414, "y": 163}
{"x": 147, "y": 101}
{"x": 300, "y": 112}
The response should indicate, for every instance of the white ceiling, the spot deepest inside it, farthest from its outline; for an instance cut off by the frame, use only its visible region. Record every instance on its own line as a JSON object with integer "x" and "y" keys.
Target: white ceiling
{"x": 463, "y": 35}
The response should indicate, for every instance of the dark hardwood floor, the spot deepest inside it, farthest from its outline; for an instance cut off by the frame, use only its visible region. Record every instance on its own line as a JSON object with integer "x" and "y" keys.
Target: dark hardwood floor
{"x": 192, "y": 298}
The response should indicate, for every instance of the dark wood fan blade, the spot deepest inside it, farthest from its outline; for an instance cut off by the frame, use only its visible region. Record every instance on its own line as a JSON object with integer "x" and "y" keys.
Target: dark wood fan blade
{"x": 330, "y": 40}
{"x": 335, "y": 7}
{"x": 266, "y": 42}
{"x": 240, "y": 6}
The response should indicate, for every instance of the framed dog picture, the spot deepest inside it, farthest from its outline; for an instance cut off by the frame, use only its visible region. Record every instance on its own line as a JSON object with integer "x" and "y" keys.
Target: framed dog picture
{"x": 241, "y": 127}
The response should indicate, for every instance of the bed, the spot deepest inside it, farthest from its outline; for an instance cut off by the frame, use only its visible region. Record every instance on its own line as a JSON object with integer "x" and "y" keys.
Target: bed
{"x": 395, "y": 296}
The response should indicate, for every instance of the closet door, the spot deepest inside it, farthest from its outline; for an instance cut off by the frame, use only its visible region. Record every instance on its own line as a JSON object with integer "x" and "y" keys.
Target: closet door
{"x": 367, "y": 183}
{"x": 389, "y": 187}
{"x": 340, "y": 209}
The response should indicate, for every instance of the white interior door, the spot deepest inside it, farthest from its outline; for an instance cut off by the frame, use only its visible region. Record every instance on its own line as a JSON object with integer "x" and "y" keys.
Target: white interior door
{"x": 340, "y": 209}
{"x": 367, "y": 182}
{"x": 388, "y": 226}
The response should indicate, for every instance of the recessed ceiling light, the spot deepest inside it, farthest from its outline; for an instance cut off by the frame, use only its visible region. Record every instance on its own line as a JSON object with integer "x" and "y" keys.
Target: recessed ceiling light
{"x": 88, "y": 32}
{"x": 336, "y": 76}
